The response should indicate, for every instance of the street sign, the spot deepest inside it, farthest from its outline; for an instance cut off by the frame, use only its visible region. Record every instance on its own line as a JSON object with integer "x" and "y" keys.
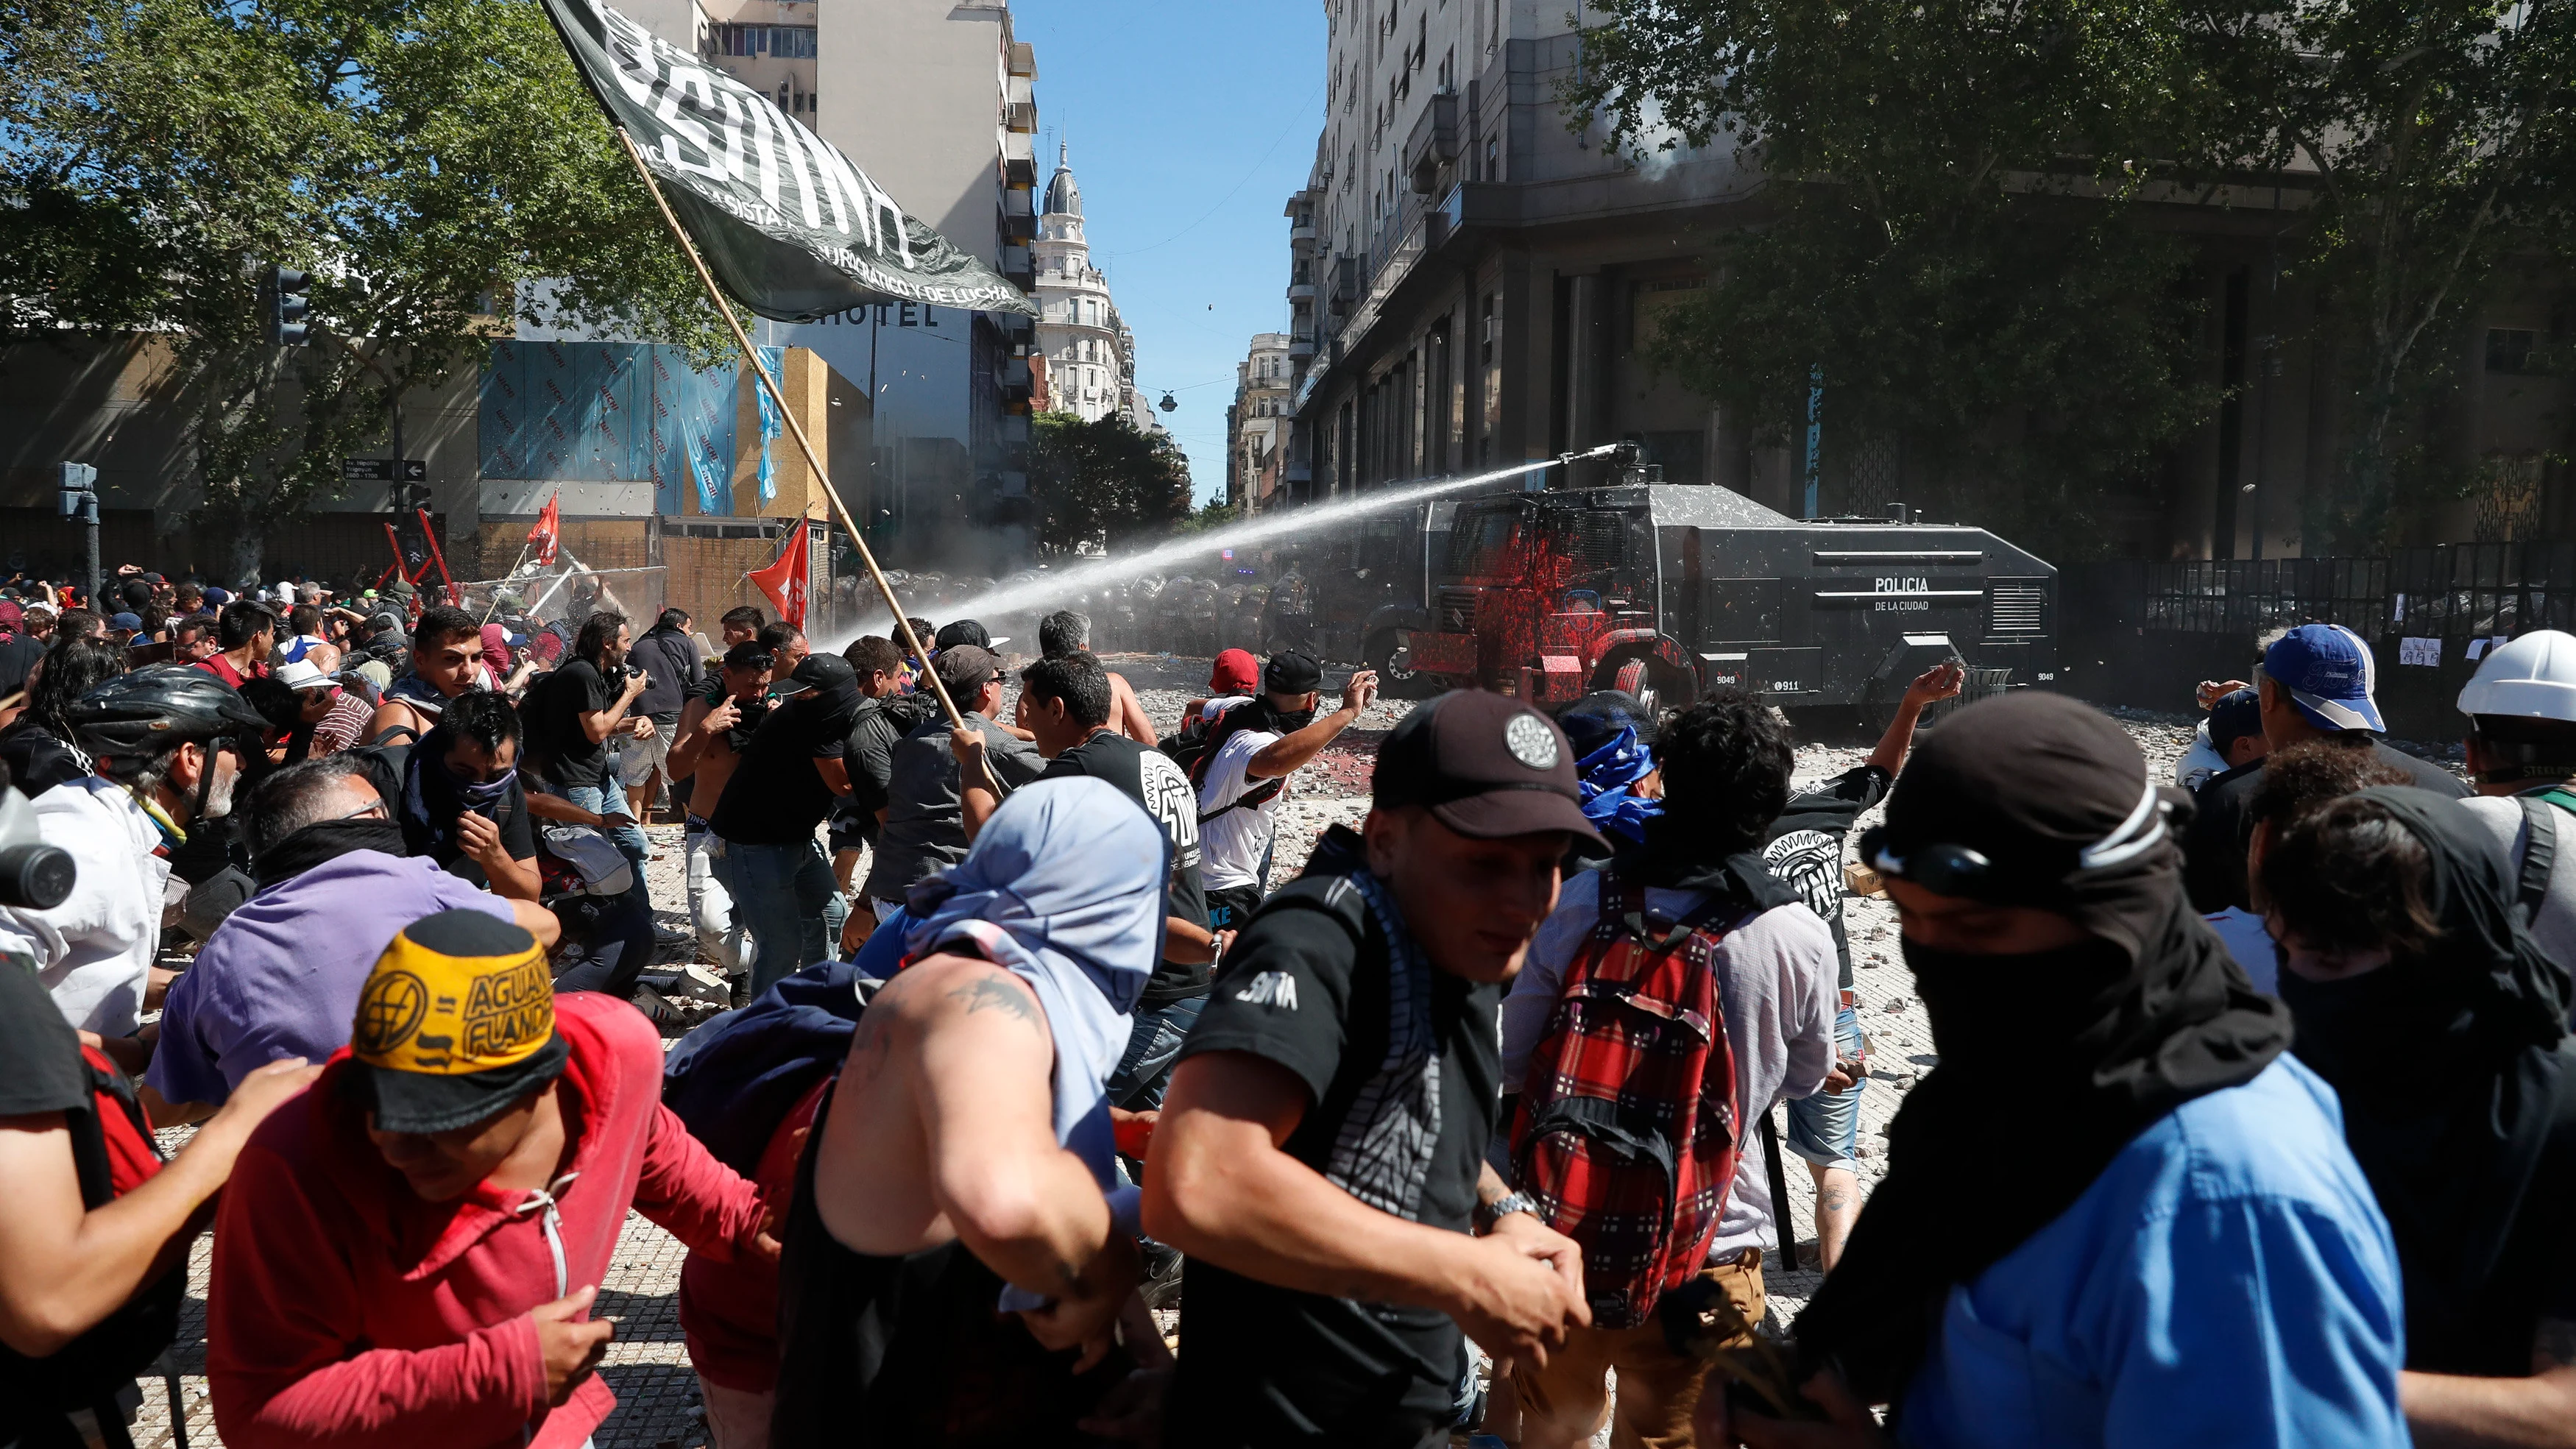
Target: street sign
{"x": 384, "y": 470}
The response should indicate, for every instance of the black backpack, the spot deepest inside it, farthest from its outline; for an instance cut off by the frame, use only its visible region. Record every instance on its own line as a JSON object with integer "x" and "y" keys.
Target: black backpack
{"x": 1194, "y": 747}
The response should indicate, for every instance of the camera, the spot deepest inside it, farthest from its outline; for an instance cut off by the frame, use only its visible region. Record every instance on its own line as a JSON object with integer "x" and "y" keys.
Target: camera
{"x": 33, "y": 875}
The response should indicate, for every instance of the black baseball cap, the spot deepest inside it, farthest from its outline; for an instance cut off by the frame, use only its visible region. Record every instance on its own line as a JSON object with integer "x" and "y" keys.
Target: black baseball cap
{"x": 1290, "y": 672}
{"x": 749, "y": 655}
{"x": 1485, "y": 765}
{"x": 963, "y": 631}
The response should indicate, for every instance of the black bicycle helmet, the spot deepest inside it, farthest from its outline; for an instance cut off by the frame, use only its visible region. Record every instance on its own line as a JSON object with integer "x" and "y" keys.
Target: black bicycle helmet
{"x": 148, "y": 710}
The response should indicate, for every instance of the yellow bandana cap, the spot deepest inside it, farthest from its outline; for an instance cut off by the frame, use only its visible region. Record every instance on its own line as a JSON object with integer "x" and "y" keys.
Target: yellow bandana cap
{"x": 456, "y": 994}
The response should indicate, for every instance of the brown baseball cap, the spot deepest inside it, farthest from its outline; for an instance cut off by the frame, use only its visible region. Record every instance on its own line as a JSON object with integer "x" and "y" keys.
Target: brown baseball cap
{"x": 1485, "y": 765}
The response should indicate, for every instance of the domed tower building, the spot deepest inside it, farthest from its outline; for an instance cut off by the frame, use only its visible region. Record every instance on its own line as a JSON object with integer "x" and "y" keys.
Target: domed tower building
{"x": 1090, "y": 362}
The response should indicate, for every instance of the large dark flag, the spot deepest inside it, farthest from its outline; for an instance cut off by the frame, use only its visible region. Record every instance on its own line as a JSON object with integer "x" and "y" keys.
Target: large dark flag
{"x": 790, "y": 227}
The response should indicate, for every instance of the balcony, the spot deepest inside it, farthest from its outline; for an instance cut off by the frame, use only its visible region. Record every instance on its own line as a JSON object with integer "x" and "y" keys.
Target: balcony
{"x": 1020, "y": 116}
{"x": 1019, "y": 214}
{"x": 1014, "y": 373}
{"x": 1024, "y": 60}
{"x": 1015, "y": 429}
{"x": 1434, "y": 142}
{"x": 1019, "y": 266}
{"x": 1019, "y": 158}
{"x": 1301, "y": 291}
{"x": 1301, "y": 345}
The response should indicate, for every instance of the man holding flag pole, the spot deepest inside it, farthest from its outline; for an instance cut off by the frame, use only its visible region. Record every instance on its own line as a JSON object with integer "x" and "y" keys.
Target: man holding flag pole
{"x": 796, "y": 232}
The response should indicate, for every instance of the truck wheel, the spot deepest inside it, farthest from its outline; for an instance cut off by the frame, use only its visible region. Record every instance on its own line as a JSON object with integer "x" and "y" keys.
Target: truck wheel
{"x": 1390, "y": 653}
{"x": 1657, "y": 685}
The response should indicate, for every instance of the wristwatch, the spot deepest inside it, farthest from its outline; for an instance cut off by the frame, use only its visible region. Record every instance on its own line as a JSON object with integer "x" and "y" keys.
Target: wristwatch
{"x": 1502, "y": 1207}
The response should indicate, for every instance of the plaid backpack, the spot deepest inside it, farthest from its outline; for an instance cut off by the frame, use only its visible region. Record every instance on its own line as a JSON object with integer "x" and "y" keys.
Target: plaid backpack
{"x": 1626, "y": 1131}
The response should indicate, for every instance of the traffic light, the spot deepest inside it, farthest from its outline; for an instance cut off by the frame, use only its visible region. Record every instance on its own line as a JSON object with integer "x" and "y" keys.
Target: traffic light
{"x": 289, "y": 299}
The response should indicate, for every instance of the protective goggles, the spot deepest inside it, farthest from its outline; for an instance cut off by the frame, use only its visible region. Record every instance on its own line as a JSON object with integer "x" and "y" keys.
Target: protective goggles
{"x": 1947, "y": 869}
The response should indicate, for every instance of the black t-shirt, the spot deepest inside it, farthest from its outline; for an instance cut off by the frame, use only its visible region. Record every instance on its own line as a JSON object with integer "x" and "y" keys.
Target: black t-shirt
{"x": 1307, "y": 985}
{"x": 1806, "y": 846}
{"x": 1152, "y": 780}
{"x": 18, "y": 654}
{"x": 37, "y": 761}
{"x": 40, "y": 1056}
{"x": 776, "y": 795}
{"x": 518, "y": 836}
{"x": 2214, "y": 846}
{"x": 572, "y": 757}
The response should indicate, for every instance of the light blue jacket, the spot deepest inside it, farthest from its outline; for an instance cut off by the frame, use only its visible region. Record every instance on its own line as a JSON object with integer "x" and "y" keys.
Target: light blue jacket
{"x": 2227, "y": 1281}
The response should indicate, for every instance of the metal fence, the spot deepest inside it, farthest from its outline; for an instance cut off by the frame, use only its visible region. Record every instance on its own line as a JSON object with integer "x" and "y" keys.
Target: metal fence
{"x": 2248, "y": 596}
{"x": 565, "y": 595}
{"x": 2446, "y": 591}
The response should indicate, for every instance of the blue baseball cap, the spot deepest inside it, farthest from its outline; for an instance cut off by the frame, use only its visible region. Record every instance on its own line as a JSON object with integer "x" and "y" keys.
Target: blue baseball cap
{"x": 2329, "y": 673}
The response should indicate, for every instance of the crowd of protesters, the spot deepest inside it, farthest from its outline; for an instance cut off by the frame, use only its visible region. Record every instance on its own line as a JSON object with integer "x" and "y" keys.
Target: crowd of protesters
{"x": 1462, "y": 1126}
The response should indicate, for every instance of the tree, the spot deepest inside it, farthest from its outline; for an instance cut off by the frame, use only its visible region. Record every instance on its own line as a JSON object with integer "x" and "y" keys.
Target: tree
{"x": 423, "y": 158}
{"x": 1958, "y": 242}
{"x": 1098, "y": 484}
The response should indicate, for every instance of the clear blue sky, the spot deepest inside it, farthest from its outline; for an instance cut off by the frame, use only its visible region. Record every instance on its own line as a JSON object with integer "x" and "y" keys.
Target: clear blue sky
{"x": 1190, "y": 126}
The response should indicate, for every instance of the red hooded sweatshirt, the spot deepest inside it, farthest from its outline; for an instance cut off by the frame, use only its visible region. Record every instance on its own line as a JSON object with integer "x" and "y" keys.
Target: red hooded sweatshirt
{"x": 345, "y": 1310}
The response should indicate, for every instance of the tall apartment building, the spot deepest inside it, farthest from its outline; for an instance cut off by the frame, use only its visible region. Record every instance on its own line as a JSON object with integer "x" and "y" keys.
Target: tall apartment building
{"x": 1257, "y": 424}
{"x": 937, "y": 103}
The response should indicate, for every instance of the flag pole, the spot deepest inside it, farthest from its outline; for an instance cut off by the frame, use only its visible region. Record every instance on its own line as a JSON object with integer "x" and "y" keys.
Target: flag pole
{"x": 494, "y": 606}
{"x": 768, "y": 384}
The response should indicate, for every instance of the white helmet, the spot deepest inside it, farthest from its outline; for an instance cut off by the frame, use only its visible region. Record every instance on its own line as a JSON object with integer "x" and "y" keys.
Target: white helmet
{"x": 2532, "y": 677}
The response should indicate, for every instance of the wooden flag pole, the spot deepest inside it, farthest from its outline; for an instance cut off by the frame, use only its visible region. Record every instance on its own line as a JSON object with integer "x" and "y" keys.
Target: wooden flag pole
{"x": 751, "y": 354}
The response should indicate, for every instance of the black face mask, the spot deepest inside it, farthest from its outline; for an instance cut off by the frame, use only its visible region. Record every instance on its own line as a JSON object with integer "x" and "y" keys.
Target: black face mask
{"x": 1292, "y": 721}
{"x": 325, "y": 841}
{"x": 2347, "y": 1026}
{"x": 2009, "y": 1012}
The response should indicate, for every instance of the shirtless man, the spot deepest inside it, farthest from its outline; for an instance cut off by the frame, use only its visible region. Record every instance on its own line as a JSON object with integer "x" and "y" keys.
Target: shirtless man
{"x": 702, "y": 750}
{"x": 1066, "y": 632}
{"x": 962, "y": 1158}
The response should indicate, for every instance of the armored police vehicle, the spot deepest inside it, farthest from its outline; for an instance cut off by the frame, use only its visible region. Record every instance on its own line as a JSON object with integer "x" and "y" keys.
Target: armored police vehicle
{"x": 1672, "y": 591}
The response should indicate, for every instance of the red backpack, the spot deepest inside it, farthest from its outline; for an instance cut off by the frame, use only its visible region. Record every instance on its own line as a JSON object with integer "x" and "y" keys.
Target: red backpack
{"x": 1626, "y": 1131}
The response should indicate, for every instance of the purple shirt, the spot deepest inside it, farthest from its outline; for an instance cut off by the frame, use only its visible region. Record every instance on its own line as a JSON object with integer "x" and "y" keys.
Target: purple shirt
{"x": 280, "y": 977}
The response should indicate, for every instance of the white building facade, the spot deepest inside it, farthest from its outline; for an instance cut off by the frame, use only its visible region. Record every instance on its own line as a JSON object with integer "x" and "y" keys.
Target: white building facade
{"x": 1264, "y": 386}
{"x": 1090, "y": 354}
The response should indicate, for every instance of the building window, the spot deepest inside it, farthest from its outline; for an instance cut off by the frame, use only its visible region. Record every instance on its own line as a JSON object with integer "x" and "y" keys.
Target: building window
{"x": 2509, "y": 349}
{"x": 1494, "y": 158}
{"x": 779, "y": 42}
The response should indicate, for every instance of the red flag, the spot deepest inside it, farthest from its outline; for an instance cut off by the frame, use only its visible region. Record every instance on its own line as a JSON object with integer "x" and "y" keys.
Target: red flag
{"x": 787, "y": 581}
{"x": 548, "y": 532}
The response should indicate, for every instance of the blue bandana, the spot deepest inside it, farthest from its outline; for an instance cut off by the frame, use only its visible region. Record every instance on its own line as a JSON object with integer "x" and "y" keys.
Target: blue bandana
{"x": 1605, "y": 776}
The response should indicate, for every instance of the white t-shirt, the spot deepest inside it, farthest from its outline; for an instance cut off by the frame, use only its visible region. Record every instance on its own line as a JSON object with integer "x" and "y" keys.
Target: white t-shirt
{"x": 1776, "y": 978}
{"x": 2554, "y": 926}
{"x": 1218, "y": 706}
{"x": 1234, "y": 846}
{"x": 2201, "y": 763}
{"x": 94, "y": 951}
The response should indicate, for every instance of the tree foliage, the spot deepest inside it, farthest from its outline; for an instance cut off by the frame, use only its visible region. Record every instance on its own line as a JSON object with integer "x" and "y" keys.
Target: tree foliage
{"x": 1098, "y": 484}
{"x": 1975, "y": 212}
{"x": 423, "y": 158}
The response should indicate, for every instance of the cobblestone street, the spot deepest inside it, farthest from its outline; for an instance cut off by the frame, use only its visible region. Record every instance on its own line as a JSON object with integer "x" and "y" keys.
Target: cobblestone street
{"x": 647, "y": 1364}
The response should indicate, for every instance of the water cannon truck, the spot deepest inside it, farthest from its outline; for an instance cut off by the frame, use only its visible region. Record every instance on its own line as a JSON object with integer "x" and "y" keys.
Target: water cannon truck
{"x": 1674, "y": 591}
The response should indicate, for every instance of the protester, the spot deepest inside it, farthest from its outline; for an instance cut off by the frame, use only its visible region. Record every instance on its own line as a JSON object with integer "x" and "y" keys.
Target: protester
{"x": 2231, "y": 738}
{"x": 781, "y": 789}
{"x": 741, "y": 625}
{"x": 1257, "y": 747}
{"x": 2401, "y": 942}
{"x": 280, "y": 977}
{"x": 305, "y": 620}
{"x": 412, "y": 1248}
{"x": 446, "y": 661}
{"x": 2521, "y": 746}
{"x": 1769, "y": 964}
{"x": 82, "y": 624}
{"x": 1805, "y": 850}
{"x": 1232, "y": 679}
{"x": 247, "y": 633}
{"x": 19, "y": 650}
{"x": 669, "y": 659}
{"x": 42, "y": 748}
{"x": 788, "y": 646}
{"x": 460, "y": 801}
{"x": 962, "y": 1160}
{"x": 570, "y": 716}
{"x": 2317, "y": 684}
{"x": 1068, "y": 705}
{"x": 707, "y": 745}
{"x": 195, "y": 639}
{"x": 1066, "y": 632}
{"x": 166, "y": 742}
{"x": 1321, "y": 1151}
{"x": 885, "y": 716}
{"x": 2195, "y": 1246}
{"x": 335, "y": 718}
{"x": 747, "y": 1084}
{"x": 2297, "y": 782}
{"x": 925, "y": 827}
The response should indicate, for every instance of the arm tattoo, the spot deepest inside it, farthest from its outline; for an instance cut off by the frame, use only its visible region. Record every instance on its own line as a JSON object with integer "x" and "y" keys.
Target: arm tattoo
{"x": 2553, "y": 1345}
{"x": 1490, "y": 1187}
{"x": 868, "y": 1054}
{"x": 987, "y": 994}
